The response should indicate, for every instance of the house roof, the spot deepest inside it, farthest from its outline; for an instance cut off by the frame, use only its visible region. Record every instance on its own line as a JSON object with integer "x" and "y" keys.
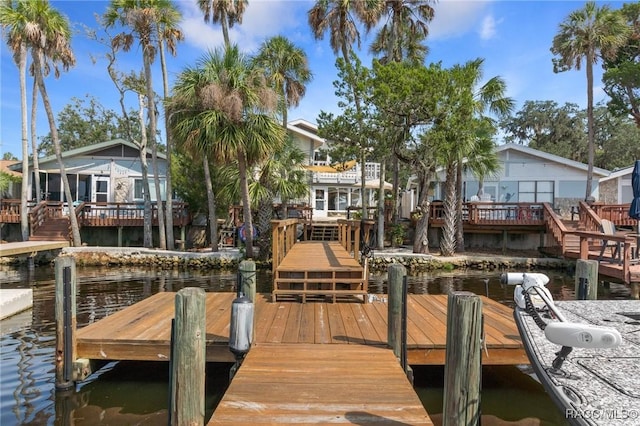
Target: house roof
{"x": 86, "y": 151}
{"x": 5, "y": 167}
{"x": 306, "y": 129}
{"x": 550, "y": 157}
{"x": 618, "y": 173}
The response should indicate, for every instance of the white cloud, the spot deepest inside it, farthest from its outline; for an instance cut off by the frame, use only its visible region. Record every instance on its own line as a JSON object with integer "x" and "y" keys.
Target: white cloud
{"x": 488, "y": 28}
{"x": 455, "y": 18}
{"x": 262, "y": 19}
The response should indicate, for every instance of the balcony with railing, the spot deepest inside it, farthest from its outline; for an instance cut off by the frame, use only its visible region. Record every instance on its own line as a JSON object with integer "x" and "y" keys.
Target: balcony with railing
{"x": 351, "y": 176}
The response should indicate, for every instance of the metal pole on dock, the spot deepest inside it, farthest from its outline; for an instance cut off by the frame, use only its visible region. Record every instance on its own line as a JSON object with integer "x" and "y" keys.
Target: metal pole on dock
{"x": 463, "y": 360}
{"x": 65, "y": 307}
{"x": 247, "y": 279}
{"x": 586, "y": 279}
{"x": 188, "y": 365}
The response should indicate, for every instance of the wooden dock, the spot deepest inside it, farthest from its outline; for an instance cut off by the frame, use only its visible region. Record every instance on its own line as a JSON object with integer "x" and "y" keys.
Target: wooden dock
{"x": 30, "y": 247}
{"x": 320, "y": 384}
{"x": 142, "y": 331}
{"x": 317, "y": 270}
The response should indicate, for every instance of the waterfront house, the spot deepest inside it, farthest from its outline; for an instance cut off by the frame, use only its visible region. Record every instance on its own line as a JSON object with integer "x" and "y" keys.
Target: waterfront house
{"x": 527, "y": 175}
{"x": 332, "y": 187}
{"x": 108, "y": 171}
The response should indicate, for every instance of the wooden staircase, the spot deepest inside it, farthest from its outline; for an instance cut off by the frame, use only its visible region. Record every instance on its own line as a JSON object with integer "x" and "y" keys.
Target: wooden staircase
{"x": 53, "y": 229}
{"x": 324, "y": 232}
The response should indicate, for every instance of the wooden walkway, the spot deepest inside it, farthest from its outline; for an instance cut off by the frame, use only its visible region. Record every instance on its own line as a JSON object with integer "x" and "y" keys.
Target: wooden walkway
{"x": 30, "y": 247}
{"x": 320, "y": 384}
{"x": 319, "y": 269}
{"x": 142, "y": 331}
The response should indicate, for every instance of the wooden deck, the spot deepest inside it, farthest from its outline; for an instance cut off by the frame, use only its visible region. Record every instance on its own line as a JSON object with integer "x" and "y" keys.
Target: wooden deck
{"x": 319, "y": 269}
{"x": 320, "y": 384}
{"x": 142, "y": 331}
{"x": 30, "y": 247}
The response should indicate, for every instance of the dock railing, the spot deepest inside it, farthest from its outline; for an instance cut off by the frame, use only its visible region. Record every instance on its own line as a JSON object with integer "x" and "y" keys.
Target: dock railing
{"x": 349, "y": 236}
{"x": 284, "y": 234}
{"x": 42, "y": 212}
{"x": 616, "y": 213}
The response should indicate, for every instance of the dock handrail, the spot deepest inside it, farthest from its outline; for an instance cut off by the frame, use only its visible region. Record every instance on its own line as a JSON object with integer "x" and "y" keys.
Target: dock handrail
{"x": 284, "y": 234}
{"x": 10, "y": 209}
{"x": 349, "y": 236}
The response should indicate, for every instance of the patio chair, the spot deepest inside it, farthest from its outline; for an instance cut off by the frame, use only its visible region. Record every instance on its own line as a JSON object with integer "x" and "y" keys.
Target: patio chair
{"x": 609, "y": 228}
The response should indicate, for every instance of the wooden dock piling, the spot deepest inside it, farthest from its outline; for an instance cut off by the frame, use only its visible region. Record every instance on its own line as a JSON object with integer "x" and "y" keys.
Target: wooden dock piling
{"x": 65, "y": 313}
{"x": 247, "y": 279}
{"x": 396, "y": 274}
{"x": 463, "y": 366}
{"x": 586, "y": 279}
{"x": 188, "y": 366}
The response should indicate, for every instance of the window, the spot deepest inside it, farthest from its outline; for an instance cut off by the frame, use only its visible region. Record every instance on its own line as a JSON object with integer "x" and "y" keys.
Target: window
{"x": 138, "y": 189}
{"x": 535, "y": 192}
{"x": 338, "y": 198}
{"x": 319, "y": 199}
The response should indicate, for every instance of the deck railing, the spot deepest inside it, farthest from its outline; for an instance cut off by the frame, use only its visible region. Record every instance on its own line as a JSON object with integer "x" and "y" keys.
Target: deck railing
{"x": 42, "y": 212}
{"x": 10, "y": 210}
{"x": 589, "y": 219}
{"x": 616, "y": 213}
{"x": 126, "y": 214}
{"x": 488, "y": 213}
{"x": 555, "y": 226}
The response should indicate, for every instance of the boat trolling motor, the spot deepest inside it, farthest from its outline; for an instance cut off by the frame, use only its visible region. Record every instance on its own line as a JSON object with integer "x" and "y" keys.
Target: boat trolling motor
{"x": 532, "y": 296}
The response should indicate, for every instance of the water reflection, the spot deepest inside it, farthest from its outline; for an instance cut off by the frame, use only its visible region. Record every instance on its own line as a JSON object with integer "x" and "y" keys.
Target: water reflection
{"x": 137, "y": 393}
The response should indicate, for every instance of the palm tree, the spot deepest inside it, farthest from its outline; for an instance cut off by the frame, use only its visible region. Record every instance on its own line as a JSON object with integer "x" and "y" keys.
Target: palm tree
{"x": 13, "y": 19}
{"x": 46, "y": 31}
{"x": 588, "y": 34}
{"x": 401, "y": 37}
{"x": 225, "y": 12}
{"x": 281, "y": 174}
{"x": 464, "y": 132}
{"x": 287, "y": 68}
{"x": 168, "y": 37}
{"x": 144, "y": 18}
{"x": 225, "y": 108}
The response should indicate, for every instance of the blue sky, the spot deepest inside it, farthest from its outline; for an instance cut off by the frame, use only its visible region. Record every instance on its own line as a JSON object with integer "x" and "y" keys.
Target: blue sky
{"x": 514, "y": 38}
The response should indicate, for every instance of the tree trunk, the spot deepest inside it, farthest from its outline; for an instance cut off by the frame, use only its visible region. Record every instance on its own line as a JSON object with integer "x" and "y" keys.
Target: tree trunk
{"x": 148, "y": 225}
{"x": 459, "y": 225}
{"x": 75, "y": 229}
{"x": 211, "y": 205}
{"x": 246, "y": 203}
{"x": 448, "y": 243}
{"x": 590, "y": 130}
{"x": 265, "y": 214}
{"x": 381, "y": 198}
{"x": 151, "y": 114}
{"x": 24, "y": 213}
{"x": 421, "y": 239}
{"x": 363, "y": 177}
{"x": 169, "y": 206}
{"x": 34, "y": 142}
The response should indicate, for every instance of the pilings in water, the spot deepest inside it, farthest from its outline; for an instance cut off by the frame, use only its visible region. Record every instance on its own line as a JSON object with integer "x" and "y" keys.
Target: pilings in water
{"x": 188, "y": 363}
{"x": 65, "y": 309}
{"x": 586, "y": 280}
{"x": 463, "y": 360}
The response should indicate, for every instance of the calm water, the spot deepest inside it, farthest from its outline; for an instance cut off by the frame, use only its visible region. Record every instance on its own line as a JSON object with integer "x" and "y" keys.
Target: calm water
{"x": 130, "y": 393}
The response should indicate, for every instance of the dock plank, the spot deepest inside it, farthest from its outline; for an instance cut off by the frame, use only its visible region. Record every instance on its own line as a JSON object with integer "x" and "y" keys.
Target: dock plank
{"x": 320, "y": 384}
